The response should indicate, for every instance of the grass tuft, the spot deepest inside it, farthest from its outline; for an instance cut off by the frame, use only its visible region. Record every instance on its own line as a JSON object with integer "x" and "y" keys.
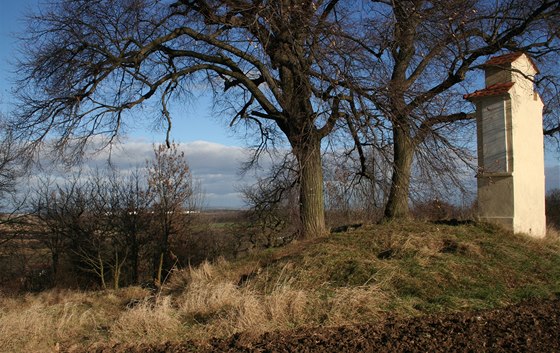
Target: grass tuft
{"x": 148, "y": 322}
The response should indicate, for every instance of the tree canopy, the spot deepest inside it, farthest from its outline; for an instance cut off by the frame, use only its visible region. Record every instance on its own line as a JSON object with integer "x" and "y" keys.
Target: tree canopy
{"x": 303, "y": 68}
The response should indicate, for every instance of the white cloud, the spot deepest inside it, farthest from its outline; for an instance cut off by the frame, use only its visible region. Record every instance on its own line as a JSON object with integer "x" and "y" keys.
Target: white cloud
{"x": 214, "y": 166}
{"x": 214, "y": 160}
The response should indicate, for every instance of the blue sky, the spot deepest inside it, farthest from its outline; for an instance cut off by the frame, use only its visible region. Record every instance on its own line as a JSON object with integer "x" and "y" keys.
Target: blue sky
{"x": 212, "y": 149}
{"x": 9, "y": 13}
{"x": 192, "y": 122}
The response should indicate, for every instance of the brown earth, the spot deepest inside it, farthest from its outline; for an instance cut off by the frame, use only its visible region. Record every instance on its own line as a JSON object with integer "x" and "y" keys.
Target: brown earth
{"x": 532, "y": 326}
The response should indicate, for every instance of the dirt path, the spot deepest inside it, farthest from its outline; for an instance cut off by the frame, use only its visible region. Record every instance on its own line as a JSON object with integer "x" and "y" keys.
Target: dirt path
{"x": 529, "y": 327}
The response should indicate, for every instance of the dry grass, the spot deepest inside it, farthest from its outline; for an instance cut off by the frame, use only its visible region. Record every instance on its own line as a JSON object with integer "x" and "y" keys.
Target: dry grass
{"x": 38, "y": 323}
{"x": 552, "y": 234}
{"x": 217, "y": 307}
{"x": 149, "y": 322}
{"x": 341, "y": 279}
{"x": 35, "y": 324}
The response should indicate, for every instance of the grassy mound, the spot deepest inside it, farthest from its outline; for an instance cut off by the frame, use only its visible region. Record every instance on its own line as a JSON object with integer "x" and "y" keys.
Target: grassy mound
{"x": 402, "y": 269}
{"x": 417, "y": 267}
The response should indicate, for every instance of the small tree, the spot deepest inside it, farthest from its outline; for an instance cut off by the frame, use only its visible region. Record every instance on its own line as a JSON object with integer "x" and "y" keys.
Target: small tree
{"x": 109, "y": 243}
{"x": 171, "y": 189}
{"x": 83, "y": 219}
{"x": 60, "y": 210}
{"x": 272, "y": 203}
{"x": 132, "y": 218}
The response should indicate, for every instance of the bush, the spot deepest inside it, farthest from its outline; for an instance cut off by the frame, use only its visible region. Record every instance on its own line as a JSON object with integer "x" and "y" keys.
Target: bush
{"x": 553, "y": 208}
{"x": 436, "y": 210}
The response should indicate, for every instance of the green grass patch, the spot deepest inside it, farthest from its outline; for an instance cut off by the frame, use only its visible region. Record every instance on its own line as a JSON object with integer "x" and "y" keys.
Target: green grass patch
{"x": 435, "y": 267}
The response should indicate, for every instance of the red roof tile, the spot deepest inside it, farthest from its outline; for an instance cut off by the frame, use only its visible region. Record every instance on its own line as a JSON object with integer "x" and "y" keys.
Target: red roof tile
{"x": 506, "y": 59}
{"x": 494, "y": 90}
{"x": 503, "y": 59}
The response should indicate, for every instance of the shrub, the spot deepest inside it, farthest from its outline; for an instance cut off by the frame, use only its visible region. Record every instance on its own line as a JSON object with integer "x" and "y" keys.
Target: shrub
{"x": 553, "y": 208}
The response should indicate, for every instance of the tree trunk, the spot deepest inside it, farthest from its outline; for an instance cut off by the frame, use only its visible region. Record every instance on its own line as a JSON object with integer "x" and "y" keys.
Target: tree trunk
{"x": 54, "y": 267}
{"x": 133, "y": 277}
{"x": 311, "y": 202}
{"x": 158, "y": 264}
{"x": 116, "y": 271}
{"x": 101, "y": 271}
{"x": 403, "y": 149}
{"x": 161, "y": 262}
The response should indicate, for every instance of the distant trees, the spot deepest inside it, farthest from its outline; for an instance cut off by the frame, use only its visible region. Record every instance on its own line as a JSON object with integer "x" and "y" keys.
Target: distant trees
{"x": 553, "y": 208}
{"x": 107, "y": 223}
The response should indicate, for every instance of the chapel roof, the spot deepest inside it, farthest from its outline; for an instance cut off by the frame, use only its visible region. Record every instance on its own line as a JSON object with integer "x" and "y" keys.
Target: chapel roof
{"x": 507, "y": 59}
{"x": 494, "y": 90}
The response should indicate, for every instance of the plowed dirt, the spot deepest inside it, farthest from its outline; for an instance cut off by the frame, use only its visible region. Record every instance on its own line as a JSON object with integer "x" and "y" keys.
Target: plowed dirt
{"x": 533, "y": 326}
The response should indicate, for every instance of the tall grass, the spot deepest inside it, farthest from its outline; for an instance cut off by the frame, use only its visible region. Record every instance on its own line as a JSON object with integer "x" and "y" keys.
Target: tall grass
{"x": 37, "y": 324}
{"x": 360, "y": 276}
{"x": 148, "y": 322}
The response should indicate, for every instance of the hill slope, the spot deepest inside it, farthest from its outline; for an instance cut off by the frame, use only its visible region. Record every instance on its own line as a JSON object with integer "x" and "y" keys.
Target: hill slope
{"x": 361, "y": 276}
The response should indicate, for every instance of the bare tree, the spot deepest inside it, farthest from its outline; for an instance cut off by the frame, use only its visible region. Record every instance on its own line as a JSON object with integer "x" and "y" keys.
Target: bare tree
{"x": 549, "y": 87}
{"x": 272, "y": 204}
{"x": 60, "y": 210}
{"x": 11, "y": 169}
{"x": 350, "y": 197}
{"x": 87, "y": 64}
{"x": 111, "y": 244}
{"x": 132, "y": 218}
{"x": 104, "y": 222}
{"x": 8, "y": 162}
{"x": 412, "y": 62}
{"x": 171, "y": 189}
{"x": 82, "y": 221}
{"x": 285, "y": 66}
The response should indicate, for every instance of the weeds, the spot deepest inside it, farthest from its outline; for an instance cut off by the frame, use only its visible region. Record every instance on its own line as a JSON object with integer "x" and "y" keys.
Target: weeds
{"x": 148, "y": 322}
{"x": 332, "y": 281}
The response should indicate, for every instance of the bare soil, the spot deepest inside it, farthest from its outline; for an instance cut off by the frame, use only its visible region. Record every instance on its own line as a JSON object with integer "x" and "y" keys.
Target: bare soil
{"x": 532, "y": 326}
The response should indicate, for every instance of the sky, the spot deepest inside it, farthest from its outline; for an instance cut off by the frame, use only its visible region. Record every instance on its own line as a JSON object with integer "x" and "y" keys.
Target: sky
{"x": 195, "y": 122}
{"x": 214, "y": 153}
